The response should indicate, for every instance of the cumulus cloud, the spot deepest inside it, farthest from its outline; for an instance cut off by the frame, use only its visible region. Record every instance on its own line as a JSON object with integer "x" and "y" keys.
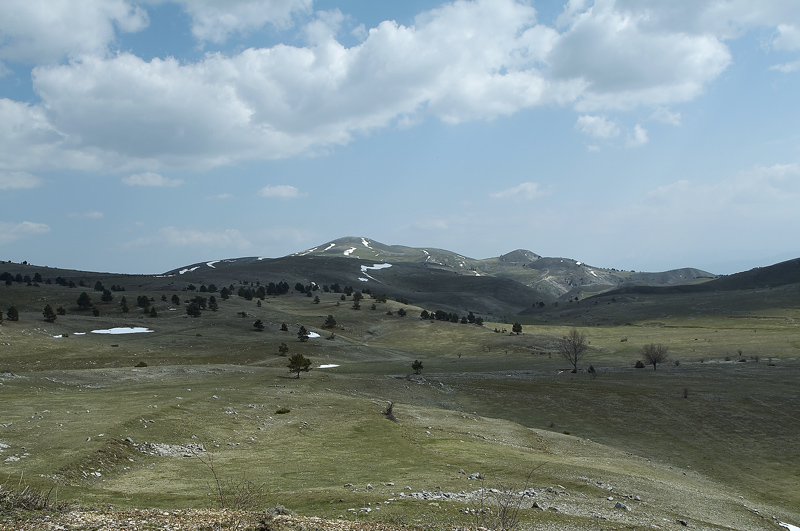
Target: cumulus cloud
{"x": 41, "y": 31}
{"x": 638, "y": 137}
{"x": 523, "y": 191}
{"x": 665, "y": 116}
{"x": 597, "y": 126}
{"x": 151, "y": 179}
{"x": 216, "y": 21}
{"x": 281, "y": 191}
{"x": 15, "y": 180}
{"x": 465, "y": 60}
{"x": 10, "y": 232}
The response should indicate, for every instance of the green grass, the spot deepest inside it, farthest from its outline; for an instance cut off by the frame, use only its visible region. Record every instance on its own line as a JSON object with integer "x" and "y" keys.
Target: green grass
{"x": 491, "y": 402}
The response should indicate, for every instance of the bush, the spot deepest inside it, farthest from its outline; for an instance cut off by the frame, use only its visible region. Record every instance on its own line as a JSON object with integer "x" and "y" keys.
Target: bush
{"x": 639, "y": 364}
{"x": 282, "y": 410}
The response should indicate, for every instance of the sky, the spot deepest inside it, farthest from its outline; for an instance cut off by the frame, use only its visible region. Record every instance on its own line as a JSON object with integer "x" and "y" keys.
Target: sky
{"x": 139, "y": 136}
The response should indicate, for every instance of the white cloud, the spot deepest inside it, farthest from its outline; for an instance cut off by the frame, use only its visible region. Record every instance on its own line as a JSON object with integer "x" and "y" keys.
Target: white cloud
{"x": 42, "y": 31}
{"x": 625, "y": 62}
{"x": 210, "y": 240}
{"x": 10, "y": 232}
{"x": 216, "y": 21}
{"x": 15, "y": 180}
{"x": 150, "y": 179}
{"x": 597, "y": 126}
{"x": 638, "y": 138}
{"x": 282, "y": 191}
{"x": 787, "y": 68}
{"x": 523, "y": 191}
{"x": 664, "y": 115}
{"x": 466, "y": 60}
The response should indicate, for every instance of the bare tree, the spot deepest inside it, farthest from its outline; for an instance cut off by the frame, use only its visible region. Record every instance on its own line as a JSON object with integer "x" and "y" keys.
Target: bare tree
{"x": 573, "y": 347}
{"x": 654, "y": 353}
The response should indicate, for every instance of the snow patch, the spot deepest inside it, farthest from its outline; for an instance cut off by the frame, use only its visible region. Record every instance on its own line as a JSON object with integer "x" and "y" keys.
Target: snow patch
{"x": 121, "y": 330}
{"x": 349, "y": 251}
{"x": 211, "y": 264}
{"x": 366, "y": 243}
{"x": 327, "y": 366}
{"x": 331, "y": 246}
{"x": 592, "y": 272}
{"x": 790, "y": 527}
{"x": 313, "y": 334}
{"x": 188, "y": 270}
{"x": 362, "y": 279}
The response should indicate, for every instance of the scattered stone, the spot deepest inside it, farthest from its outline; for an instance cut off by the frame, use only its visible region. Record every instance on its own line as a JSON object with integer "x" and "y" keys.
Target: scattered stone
{"x": 621, "y": 505}
{"x": 475, "y": 475}
{"x": 684, "y": 523}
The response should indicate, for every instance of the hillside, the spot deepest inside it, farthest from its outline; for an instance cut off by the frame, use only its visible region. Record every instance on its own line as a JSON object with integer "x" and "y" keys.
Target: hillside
{"x": 106, "y": 418}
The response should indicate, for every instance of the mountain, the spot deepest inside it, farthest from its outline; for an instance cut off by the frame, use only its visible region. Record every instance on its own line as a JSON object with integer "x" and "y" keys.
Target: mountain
{"x": 430, "y": 277}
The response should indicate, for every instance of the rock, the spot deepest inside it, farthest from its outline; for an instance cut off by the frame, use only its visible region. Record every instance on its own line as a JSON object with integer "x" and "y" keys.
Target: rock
{"x": 369, "y": 487}
{"x": 621, "y": 505}
{"x": 684, "y": 523}
{"x": 475, "y": 475}
{"x": 462, "y": 472}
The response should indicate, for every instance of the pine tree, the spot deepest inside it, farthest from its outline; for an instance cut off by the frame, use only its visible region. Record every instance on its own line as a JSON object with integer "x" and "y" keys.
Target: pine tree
{"x": 299, "y": 363}
{"x": 258, "y": 325}
{"x": 330, "y": 322}
{"x": 417, "y": 366}
{"x": 84, "y": 301}
{"x": 12, "y": 314}
{"x": 49, "y": 314}
{"x": 302, "y": 334}
{"x": 283, "y": 349}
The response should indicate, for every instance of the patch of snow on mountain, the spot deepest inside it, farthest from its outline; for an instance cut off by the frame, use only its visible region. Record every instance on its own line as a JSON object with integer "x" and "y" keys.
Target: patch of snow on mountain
{"x": 592, "y": 272}
{"x": 211, "y": 263}
{"x": 362, "y": 279}
{"x": 790, "y": 527}
{"x": 366, "y": 243}
{"x": 349, "y": 251}
{"x": 331, "y": 246}
{"x": 188, "y": 270}
{"x": 364, "y": 270}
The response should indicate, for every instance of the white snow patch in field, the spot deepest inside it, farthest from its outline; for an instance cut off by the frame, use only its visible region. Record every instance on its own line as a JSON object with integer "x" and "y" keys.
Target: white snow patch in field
{"x": 328, "y": 366}
{"x": 306, "y": 252}
{"x": 188, "y": 270}
{"x": 362, "y": 279}
{"x": 790, "y": 527}
{"x": 125, "y": 330}
{"x": 331, "y": 246}
{"x": 366, "y": 243}
{"x": 592, "y": 272}
{"x": 211, "y": 263}
{"x": 349, "y": 251}
{"x": 364, "y": 270}
{"x": 577, "y": 263}
{"x": 79, "y": 334}
{"x": 313, "y": 334}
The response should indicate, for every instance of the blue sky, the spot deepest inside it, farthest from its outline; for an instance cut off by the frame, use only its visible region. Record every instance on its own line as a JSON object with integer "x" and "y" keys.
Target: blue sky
{"x": 140, "y": 136}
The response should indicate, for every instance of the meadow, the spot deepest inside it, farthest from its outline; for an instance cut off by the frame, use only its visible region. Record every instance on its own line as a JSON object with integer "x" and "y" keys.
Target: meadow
{"x": 710, "y": 438}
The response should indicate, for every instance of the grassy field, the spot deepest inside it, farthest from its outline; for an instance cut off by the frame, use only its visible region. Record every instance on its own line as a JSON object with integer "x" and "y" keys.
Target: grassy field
{"x": 710, "y": 437}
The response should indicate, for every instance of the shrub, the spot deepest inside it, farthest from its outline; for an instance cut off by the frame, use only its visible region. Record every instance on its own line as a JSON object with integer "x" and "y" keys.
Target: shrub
{"x": 639, "y": 364}
{"x": 282, "y": 410}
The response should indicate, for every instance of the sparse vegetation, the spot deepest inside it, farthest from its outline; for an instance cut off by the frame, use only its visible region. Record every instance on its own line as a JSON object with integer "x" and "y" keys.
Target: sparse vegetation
{"x": 654, "y": 353}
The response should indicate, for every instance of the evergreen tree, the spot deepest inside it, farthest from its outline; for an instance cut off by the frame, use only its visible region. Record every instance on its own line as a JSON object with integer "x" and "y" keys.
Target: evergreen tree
{"x": 49, "y": 314}
{"x": 98, "y": 286}
{"x": 302, "y": 334}
{"x": 283, "y": 349}
{"x": 417, "y": 366}
{"x": 401, "y": 312}
{"x": 193, "y": 310}
{"x": 479, "y": 321}
{"x": 299, "y": 363}
{"x": 61, "y": 311}
{"x": 225, "y": 293}
{"x": 316, "y": 299}
{"x": 12, "y": 314}
{"x": 176, "y": 300}
{"x": 517, "y": 328}
{"x": 284, "y": 328}
{"x": 84, "y": 301}
{"x": 330, "y": 322}
{"x": 107, "y": 296}
{"x": 153, "y": 312}
{"x": 123, "y": 305}
{"x": 212, "y": 304}
{"x": 258, "y": 325}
